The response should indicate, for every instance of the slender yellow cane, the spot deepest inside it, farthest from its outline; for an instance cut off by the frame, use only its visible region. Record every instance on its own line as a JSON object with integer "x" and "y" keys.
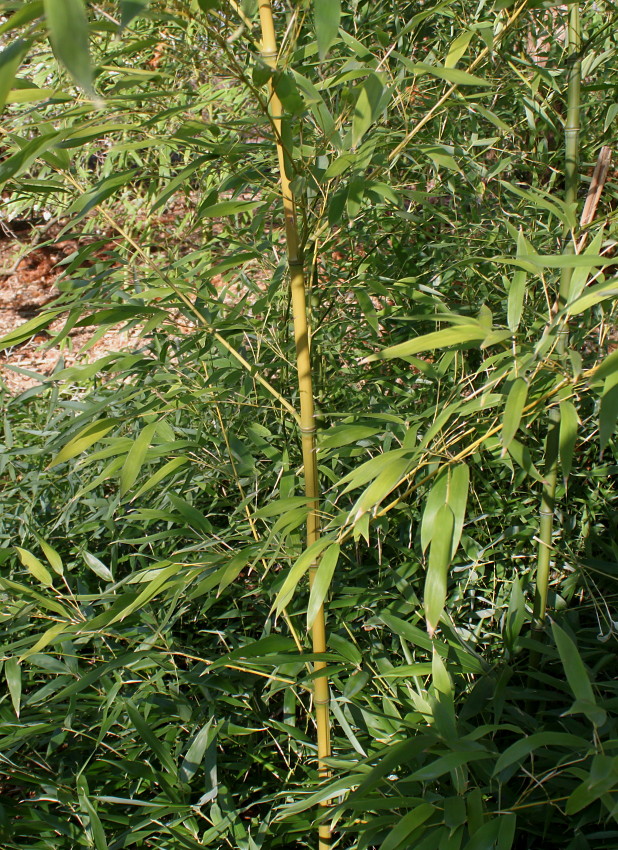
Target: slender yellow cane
{"x": 307, "y": 418}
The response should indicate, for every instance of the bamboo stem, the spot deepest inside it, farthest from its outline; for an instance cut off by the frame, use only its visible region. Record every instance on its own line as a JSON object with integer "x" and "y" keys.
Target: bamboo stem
{"x": 571, "y": 178}
{"x": 307, "y": 418}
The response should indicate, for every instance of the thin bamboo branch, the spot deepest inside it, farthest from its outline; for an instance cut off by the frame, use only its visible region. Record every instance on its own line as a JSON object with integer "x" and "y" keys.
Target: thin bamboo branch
{"x": 452, "y": 89}
{"x": 307, "y": 418}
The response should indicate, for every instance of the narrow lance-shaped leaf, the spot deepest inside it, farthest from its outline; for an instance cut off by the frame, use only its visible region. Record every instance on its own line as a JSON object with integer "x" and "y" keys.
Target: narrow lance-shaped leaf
{"x": 515, "y": 614}
{"x": 455, "y": 335}
{"x": 130, "y": 9}
{"x": 437, "y": 569}
{"x": 513, "y": 409}
{"x": 517, "y": 291}
{"x": 569, "y": 421}
{"x": 34, "y": 566}
{"x": 160, "y": 474}
{"x": 327, "y": 18}
{"x": 298, "y": 570}
{"x": 68, "y": 32}
{"x": 97, "y": 566}
{"x": 577, "y": 677}
{"x": 457, "y": 499}
{"x": 136, "y": 457}
{"x": 435, "y": 500}
{"x": 321, "y": 581}
{"x": 10, "y": 60}
{"x": 608, "y": 411}
{"x": 54, "y": 559}
{"x": 84, "y": 439}
{"x": 457, "y": 49}
{"x": 367, "y": 107}
{"x": 12, "y": 672}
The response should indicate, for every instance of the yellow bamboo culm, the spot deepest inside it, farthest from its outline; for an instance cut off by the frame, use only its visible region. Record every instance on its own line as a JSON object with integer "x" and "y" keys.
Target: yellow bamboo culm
{"x": 307, "y": 418}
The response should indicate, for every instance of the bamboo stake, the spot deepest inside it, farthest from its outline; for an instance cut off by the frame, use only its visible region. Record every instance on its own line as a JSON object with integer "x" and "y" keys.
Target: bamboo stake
{"x": 571, "y": 176}
{"x": 307, "y": 418}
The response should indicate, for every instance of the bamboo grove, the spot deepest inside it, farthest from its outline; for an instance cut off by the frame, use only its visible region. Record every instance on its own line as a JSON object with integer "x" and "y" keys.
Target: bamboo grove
{"x": 325, "y": 554}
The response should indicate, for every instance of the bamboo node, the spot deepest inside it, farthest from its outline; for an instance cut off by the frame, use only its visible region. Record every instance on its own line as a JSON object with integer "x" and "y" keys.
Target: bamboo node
{"x": 304, "y": 430}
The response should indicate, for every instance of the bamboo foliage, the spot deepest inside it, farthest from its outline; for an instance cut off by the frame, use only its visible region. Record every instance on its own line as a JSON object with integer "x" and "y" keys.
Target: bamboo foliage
{"x": 307, "y": 417}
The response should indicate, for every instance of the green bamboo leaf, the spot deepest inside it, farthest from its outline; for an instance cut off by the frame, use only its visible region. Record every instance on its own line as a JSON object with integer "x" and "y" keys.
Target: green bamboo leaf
{"x": 602, "y": 778}
{"x": 392, "y": 476}
{"x": 577, "y": 677}
{"x": 130, "y": 9}
{"x": 456, "y": 335}
{"x": 515, "y": 615}
{"x": 34, "y": 566}
{"x": 368, "y": 106}
{"x": 97, "y": 566}
{"x": 68, "y": 32}
{"x": 84, "y": 439}
{"x": 149, "y": 592}
{"x": 608, "y": 410}
{"x": 10, "y": 60}
{"x": 321, "y": 581}
{"x": 579, "y": 278}
{"x": 608, "y": 367}
{"x": 448, "y": 763}
{"x": 457, "y": 499}
{"x": 96, "y": 827}
{"x": 102, "y": 190}
{"x": 54, "y": 559}
{"x": 136, "y": 457}
{"x": 24, "y": 15}
{"x": 46, "y": 638}
{"x": 569, "y": 420}
{"x": 12, "y": 672}
{"x": 224, "y": 208}
{"x": 343, "y": 435}
{"x": 517, "y": 292}
{"x": 513, "y": 409}
{"x": 522, "y": 457}
{"x": 457, "y": 48}
{"x": 27, "y": 330}
{"x": 437, "y": 569}
{"x": 204, "y": 739}
{"x": 160, "y": 749}
{"x": 436, "y": 498}
{"x": 327, "y": 14}
{"x": 397, "y": 838}
{"x": 593, "y": 295}
{"x": 522, "y": 748}
{"x": 160, "y": 474}
{"x": 449, "y": 75}
{"x": 308, "y": 558}
{"x": 19, "y": 162}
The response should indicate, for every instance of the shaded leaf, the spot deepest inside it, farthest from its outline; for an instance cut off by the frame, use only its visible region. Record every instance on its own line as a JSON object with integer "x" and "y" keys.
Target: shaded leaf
{"x": 437, "y": 569}
{"x": 68, "y": 32}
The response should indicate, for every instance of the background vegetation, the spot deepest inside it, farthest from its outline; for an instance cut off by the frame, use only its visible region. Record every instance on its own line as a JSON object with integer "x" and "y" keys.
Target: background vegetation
{"x": 154, "y": 610}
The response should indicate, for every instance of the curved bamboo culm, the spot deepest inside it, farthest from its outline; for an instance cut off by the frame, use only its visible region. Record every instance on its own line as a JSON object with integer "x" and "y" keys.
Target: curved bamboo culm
{"x": 571, "y": 179}
{"x": 307, "y": 418}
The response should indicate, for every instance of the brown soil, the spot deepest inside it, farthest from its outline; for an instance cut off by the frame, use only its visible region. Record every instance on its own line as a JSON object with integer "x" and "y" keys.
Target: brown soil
{"x": 27, "y": 283}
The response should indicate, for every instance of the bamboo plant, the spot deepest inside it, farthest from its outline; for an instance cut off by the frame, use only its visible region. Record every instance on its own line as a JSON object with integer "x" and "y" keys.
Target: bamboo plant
{"x": 307, "y": 415}
{"x": 571, "y": 179}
